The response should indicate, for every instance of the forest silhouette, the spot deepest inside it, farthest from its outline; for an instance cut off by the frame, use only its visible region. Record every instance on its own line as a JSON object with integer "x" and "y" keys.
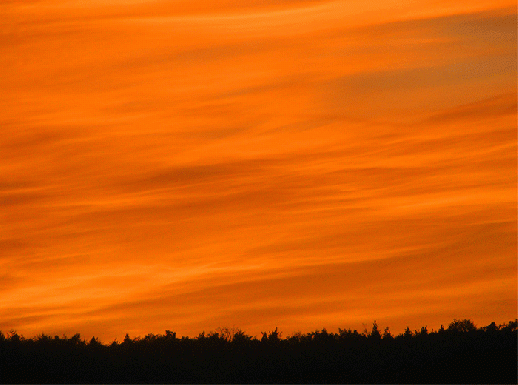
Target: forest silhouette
{"x": 460, "y": 353}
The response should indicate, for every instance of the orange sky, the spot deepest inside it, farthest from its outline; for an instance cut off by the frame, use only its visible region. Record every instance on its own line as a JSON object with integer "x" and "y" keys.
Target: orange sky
{"x": 188, "y": 165}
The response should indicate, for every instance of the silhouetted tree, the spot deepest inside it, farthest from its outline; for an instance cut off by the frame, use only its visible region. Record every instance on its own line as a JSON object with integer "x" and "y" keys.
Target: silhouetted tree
{"x": 460, "y": 354}
{"x": 462, "y": 326}
{"x": 387, "y": 335}
{"x": 407, "y": 334}
{"x": 375, "y": 333}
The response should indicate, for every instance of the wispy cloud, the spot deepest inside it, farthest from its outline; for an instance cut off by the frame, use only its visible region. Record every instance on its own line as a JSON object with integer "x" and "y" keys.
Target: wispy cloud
{"x": 294, "y": 164}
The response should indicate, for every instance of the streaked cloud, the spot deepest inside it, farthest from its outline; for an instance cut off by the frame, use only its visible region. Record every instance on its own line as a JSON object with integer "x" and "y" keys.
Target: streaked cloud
{"x": 189, "y": 165}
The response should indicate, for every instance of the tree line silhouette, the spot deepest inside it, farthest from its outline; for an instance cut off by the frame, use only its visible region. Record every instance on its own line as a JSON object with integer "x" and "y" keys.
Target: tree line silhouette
{"x": 460, "y": 353}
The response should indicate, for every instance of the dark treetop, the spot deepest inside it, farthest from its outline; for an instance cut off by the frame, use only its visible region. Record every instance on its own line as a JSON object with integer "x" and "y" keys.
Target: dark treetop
{"x": 461, "y": 353}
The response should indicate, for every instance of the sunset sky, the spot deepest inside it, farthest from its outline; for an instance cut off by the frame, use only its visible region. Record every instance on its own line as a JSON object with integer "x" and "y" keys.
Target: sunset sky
{"x": 189, "y": 165}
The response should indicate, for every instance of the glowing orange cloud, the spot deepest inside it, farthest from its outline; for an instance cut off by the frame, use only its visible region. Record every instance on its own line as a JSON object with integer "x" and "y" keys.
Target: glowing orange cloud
{"x": 302, "y": 164}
